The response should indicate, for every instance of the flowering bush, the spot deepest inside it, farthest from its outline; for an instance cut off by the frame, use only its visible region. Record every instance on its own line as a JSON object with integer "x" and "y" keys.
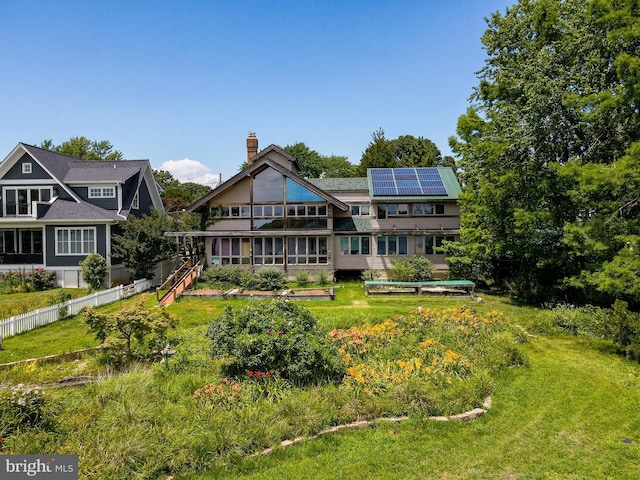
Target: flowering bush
{"x": 23, "y": 408}
{"x": 21, "y": 281}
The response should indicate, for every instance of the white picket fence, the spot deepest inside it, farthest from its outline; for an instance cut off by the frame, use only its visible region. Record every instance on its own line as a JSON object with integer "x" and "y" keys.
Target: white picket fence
{"x": 43, "y": 316}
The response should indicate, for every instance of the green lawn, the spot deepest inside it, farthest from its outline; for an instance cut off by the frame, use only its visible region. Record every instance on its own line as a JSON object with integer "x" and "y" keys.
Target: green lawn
{"x": 563, "y": 417}
{"x": 16, "y": 303}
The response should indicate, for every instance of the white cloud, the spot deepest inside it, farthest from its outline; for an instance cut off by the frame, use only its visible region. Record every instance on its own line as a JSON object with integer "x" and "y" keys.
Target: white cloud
{"x": 187, "y": 170}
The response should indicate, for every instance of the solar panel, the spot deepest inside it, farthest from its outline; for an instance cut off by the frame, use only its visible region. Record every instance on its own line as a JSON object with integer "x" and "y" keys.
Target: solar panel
{"x": 406, "y": 181}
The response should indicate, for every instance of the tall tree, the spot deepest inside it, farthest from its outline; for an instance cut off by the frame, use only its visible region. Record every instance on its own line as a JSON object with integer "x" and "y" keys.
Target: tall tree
{"x": 82, "y": 147}
{"x": 379, "y": 153}
{"x": 314, "y": 165}
{"x": 551, "y": 105}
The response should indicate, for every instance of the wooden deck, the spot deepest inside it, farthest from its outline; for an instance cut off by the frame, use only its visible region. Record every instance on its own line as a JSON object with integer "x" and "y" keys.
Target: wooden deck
{"x": 459, "y": 288}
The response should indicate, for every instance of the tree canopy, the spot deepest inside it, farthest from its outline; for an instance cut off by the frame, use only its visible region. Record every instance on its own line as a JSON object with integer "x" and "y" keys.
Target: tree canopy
{"x": 404, "y": 151}
{"x": 314, "y": 165}
{"x": 176, "y": 196}
{"x": 549, "y": 151}
{"x": 82, "y": 147}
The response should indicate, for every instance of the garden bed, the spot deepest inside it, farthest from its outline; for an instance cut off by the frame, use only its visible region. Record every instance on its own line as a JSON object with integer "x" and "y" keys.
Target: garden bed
{"x": 317, "y": 293}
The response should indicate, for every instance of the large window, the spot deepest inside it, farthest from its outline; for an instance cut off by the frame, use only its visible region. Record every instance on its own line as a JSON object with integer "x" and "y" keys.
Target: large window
{"x": 268, "y": 251}
{"x": 230, "y": 211}
{"x": 231, "y": 251}
{"x": 268, "y": 186}
{"x": 307, "y": 251}
{"x": 75, "y": 241}
{"x": 429, "y": 245}
{"x": 18, "y": 201}
{"x": 360, "y": 245}
{"x": 360, "y": 210}
{"x": 393, "y": 245}
{"x": 409, "y": 209}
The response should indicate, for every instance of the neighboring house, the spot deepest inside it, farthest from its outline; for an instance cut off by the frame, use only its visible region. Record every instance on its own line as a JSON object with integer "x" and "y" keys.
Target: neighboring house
{"x": 56, "y": 209}
{"x": 268, "y": 215}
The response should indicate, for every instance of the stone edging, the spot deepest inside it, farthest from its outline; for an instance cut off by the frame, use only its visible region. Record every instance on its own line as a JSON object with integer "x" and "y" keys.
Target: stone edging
{"x": 461, "y": 417}
{"x": 52, "y": 358}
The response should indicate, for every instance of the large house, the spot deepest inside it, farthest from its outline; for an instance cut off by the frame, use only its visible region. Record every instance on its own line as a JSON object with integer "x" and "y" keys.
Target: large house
{"x": 268, "y": 215}
{"x": 56, "y": 209}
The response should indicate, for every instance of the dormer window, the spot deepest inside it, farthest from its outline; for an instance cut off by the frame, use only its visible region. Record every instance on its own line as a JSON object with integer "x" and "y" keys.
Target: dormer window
{"x": 26, "y": 167}
{"x": 102, "y": 192}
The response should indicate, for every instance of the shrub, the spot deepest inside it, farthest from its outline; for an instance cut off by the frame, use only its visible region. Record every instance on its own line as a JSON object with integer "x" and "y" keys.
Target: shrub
{"x": 370, "y": 275}
{"x": 303, "y": 277}
{"x": 270, "y": 278}
{"x": 411, "y": 269}
{"x": 624, "y": 329}
{"x": 278, "y": 337}
{"x": 94, "y": 269}
{"x": 40, "y": 279}
{"x": 225, "y": 274}
{"x": 324, "y": 277}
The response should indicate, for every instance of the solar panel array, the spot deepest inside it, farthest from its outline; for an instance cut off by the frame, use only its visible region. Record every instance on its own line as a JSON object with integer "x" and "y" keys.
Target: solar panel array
{"x": 406, "y": 181}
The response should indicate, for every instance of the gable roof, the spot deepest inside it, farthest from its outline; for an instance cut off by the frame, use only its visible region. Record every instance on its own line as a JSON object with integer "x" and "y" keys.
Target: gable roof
{"x": 260, "y": 164}
{"x": 68, "y": 171}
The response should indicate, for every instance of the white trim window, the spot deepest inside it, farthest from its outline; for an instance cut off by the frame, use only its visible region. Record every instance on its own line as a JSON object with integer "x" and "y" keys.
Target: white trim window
{"x": 102, "y": 192}
{"x": 27, "y": 167}
{"x": 75, "y": 241}
{"x": 18, "y": 201}
{"x": 135, "y": 203}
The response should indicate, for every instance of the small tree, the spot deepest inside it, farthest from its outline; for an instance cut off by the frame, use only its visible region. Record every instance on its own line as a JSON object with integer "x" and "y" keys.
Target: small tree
{"x": 142, "y": 244}
{"x": 94, "y": 269}
{"x": 134, "y": 323}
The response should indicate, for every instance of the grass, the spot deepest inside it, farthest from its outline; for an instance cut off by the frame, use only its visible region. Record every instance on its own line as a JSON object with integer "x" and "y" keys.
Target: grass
{"x": 16, "y": 303}
{"x": 564, "y": 416}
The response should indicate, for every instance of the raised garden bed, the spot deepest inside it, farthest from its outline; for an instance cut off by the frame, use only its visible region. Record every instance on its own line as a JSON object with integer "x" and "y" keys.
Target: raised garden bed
{"x": 317, "y": 293}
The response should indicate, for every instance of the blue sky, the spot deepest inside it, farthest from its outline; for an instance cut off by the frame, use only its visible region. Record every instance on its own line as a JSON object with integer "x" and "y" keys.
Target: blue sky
{"x": 184, "y": 81}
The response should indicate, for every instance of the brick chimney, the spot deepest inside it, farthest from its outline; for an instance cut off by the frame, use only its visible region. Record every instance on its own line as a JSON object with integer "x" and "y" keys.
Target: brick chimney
{"x": 252, "y": 147}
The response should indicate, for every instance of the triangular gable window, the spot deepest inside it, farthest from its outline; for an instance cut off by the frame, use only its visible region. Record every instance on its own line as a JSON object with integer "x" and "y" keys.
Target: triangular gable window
{"x": 297, "y": 193}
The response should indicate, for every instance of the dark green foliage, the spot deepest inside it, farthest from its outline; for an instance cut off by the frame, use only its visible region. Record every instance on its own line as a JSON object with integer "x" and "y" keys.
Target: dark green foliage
{"x": 314, "y": 165}
{"x": 547, "y": 152}
{"x": 275, "y": 336}
{"x": 94, "y": 269}
{"x": 142, "y": 244}
{"x": 411, "y": 269}
{"x": 82, "y": 147}
{"x": 60, "y": 299}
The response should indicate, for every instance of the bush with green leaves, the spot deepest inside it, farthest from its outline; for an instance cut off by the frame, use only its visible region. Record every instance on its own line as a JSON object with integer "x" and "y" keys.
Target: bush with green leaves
{"x": 94, "y": 270}
{"x": 133, "y": 330}
{"x": 324, "y": 277}
{"x": 270, "y": 278}
{"x": 275, "y": 336}
{"x": 411, "y": 269}
{"x": 370, "y": 275}
{"x": 303, "y": 277}
{"x": 22, "y": 281}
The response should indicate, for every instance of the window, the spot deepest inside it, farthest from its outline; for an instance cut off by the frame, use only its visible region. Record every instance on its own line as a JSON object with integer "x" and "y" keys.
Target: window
{"x": 7, "y": 241}
{"x": 307, "y": 251}
{"x": 268, "y": 251}
{"x": 26, "y": 167}
{"x": 230, "y": 211}
{"x": 355, "y": 245}
{"x": 18, "y": 201}
{"x": 359, "y": 210}
{"x": 420, "y": 209}
{"x": 430, "y": 245}
{"x": 102, "y": 192}
{"x": 135, "y": 203}
{"x": 382, "y": 211}
{"x": 75, "y": 241}
{"x": 306, "y": 210}
{"x": 392, "y": 245}
{"x": 231, "y": 251}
